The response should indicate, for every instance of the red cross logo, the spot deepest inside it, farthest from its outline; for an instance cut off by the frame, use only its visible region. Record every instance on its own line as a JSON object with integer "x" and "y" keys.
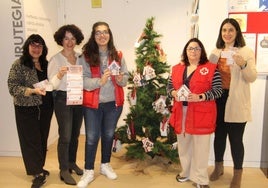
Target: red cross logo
{"x": 204, "y": 71}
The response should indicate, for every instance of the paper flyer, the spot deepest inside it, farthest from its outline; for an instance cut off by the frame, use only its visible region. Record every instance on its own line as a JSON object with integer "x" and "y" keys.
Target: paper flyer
{"x": 74, "y": 85}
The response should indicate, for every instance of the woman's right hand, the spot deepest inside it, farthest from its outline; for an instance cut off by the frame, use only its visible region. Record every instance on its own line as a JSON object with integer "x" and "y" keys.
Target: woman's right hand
{"x": 175, "y": 95}
{"x": 62, "y": 72}
{"x": 104, "y": 78}
{"x": 39, "y": 91}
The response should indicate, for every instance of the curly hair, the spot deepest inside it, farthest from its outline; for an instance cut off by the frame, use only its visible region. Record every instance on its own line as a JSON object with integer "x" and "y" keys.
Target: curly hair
{"x": 91, "y": 48}
{"x": 26, "y": 59}
{"x": 76, "y": 32}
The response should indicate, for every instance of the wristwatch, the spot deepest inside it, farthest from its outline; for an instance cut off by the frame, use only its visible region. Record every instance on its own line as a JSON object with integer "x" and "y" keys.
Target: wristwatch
{"x": 200, "y": 97}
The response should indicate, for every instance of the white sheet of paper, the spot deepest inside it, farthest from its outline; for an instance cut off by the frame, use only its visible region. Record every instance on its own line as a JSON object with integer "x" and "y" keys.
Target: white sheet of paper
{"x": 74, "y": 85}
{"x": 44, "y": 84}
{"x": 229, "y": 56}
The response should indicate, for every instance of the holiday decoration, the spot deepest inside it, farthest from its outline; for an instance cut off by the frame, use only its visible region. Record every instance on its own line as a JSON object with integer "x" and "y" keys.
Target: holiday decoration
{"x": 114, "y": 68}
{"x": 117, "y": 146}
{"x": 147, "y": 145}
{"x": 148, "y": 71}
{"x": 183, "y": 93}
{"x": 147, "y": 133}
{"x": 132, "y": 97}
{"x": 160, "y": 105}
{"x": 164, "y": 126}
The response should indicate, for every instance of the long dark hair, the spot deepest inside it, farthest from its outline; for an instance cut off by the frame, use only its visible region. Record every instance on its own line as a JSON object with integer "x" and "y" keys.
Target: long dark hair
{"x": 91, "y": 48}
{"x": 239, "y": 39}
{"x": 203, "y": 57}
{"x": 26, "y": 59}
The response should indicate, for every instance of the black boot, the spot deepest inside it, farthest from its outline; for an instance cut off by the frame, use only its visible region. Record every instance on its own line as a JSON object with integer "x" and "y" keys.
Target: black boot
{"x": 45, "y": 173}
{"x": 74, "y": 167}
{"x": 67, "y": 178}
{"x": 38, "y": 181}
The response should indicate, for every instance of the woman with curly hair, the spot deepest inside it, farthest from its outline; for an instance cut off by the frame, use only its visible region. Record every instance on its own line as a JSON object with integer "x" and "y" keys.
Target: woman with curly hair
{"x": 69, "y": 117}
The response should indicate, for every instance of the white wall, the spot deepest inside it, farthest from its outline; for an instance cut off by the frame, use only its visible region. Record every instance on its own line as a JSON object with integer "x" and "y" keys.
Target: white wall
{"x": 127, "y": 19}
{"x": 39, "y": 16}
{"x": 8, "y": 133}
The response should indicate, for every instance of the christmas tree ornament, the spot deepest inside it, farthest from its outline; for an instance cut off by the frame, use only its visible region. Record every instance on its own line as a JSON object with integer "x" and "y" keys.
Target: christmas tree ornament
{"x": 140, "y": 40}
{"x": 137, "y": 79}
{"x": 117, "y": 146}
{"x": 174, "y": 146}
{"x": 132, "y": 130}
{"x": 160, "y": 104}
{"x": 147, "y": 145}
{"x": 162, "y": 56}
{"x": 132, "y": 96}
{"x": 148, "y": 71}
{"x": 164, "y": 126}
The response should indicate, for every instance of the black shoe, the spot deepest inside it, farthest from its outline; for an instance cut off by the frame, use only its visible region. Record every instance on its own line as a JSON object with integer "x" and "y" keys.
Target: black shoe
{"x": 38, "y": 181}
{"x": 45, "y": 173}
{"x": 67, "y": 178}
{"x": 74, "y": 167}
{"x": 202, "y": 186}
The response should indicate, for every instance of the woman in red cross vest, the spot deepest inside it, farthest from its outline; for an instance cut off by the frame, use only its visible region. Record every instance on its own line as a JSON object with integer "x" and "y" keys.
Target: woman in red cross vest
{"x": 194, "y": 117}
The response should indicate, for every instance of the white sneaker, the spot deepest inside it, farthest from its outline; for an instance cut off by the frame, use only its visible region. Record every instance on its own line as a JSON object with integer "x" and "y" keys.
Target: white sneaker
{"x": 88, "y": 176}
{"x": 108, "y": 171}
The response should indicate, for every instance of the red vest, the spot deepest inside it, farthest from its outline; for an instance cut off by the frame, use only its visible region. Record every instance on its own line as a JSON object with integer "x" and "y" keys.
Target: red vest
{"x": 201, "y": 116}
{"x": 91, "y": 98}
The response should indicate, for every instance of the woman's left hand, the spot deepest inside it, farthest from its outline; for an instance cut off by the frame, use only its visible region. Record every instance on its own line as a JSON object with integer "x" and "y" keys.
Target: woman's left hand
{"x": 119, "y": 77}
{"x": 192, "y": 97}
{"x": 238, "y": 59}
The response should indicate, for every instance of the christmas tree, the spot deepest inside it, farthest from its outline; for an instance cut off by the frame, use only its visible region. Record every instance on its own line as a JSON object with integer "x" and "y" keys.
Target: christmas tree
{"x": 147, "y": 132}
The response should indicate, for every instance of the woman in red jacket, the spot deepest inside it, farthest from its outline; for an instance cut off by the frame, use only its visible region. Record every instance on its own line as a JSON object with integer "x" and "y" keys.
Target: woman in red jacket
{"x": 194, "y": 116}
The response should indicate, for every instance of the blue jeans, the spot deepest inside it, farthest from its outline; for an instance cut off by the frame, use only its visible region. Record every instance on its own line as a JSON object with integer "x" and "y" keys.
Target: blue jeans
{"x": 100, "y": 123}
{"x": 69, "y": 118}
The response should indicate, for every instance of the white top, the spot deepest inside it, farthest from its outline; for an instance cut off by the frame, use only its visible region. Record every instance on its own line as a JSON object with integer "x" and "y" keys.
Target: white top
{"x": 57, "y": 61}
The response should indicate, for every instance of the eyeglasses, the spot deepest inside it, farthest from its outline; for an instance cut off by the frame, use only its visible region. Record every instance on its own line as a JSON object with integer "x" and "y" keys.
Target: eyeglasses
{"x": 36, "y": 45}
{"x": 195, "y": 49}
{"x": 99, "y": 33}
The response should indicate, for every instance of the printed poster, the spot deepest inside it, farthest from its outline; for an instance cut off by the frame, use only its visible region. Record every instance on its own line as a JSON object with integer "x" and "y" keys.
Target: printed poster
{"x": 262, "y": 53}
{"x": 74, "y": 85}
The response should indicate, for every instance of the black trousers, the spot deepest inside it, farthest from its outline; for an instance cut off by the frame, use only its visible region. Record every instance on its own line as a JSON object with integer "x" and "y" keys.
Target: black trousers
{"x": 234, "y": 131}
{"x": 69, "y": 118}
{"x": 33, "y": 124}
